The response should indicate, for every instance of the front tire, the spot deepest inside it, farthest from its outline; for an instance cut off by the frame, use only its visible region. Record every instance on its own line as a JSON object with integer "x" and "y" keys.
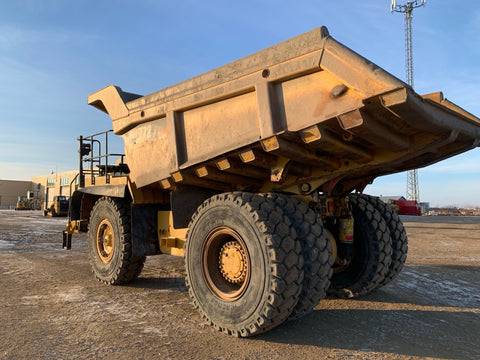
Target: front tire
{"x": 244, "y": 267}
{"x": 109, "y": 243}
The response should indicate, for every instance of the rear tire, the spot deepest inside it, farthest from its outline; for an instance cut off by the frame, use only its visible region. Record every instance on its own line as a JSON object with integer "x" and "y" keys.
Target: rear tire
{"x": 316, "y": 251}
{"x": 109, "y": 243}
{"x": 243, "y": 264}
{"x": 372, "y": 253}
{"x": 397, "y": 234}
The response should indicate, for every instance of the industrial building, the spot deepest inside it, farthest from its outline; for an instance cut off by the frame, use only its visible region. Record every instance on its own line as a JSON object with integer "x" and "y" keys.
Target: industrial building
{"x": 10, "y": 190}
{"x": 44, "y": 187}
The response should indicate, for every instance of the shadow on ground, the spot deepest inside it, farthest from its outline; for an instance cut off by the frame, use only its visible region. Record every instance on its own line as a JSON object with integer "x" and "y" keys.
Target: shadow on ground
{"x": 405, "y": 332}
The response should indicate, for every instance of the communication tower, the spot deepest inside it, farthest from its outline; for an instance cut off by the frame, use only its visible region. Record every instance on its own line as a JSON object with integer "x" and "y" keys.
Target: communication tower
{"x": 407, "y": 9}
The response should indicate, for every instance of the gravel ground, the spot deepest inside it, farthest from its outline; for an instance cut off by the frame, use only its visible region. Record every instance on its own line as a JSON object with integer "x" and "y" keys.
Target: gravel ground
{"x": 52, "y": 307}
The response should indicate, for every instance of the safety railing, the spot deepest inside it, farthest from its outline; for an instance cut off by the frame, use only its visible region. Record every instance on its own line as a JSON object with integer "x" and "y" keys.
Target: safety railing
{"x": 94, "y": 159}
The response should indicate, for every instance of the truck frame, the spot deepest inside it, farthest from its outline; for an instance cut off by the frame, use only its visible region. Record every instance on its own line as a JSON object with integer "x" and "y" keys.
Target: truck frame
{"x": 255, "y": 172}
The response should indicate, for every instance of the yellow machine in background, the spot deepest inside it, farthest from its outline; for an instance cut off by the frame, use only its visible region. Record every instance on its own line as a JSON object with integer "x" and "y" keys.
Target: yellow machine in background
{"x": 59, "y": 207}
{"x": 29, "y": 202}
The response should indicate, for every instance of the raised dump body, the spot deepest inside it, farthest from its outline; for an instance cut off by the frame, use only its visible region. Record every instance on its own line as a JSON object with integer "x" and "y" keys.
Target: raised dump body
{"x": 308, "y": 110}
{"x": 259, "y": 159}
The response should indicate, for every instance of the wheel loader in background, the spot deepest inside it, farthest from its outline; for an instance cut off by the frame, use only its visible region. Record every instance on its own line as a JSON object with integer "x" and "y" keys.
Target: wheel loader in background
{"x": 58, "y": 207}
{"x": 255, "y": 172}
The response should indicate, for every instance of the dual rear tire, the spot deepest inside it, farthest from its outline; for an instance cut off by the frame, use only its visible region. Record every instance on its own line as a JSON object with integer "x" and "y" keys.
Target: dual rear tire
{"x": 245, "y": 262}
{"x": 316, "y": 252}
{"x": 379, "y": 251}
{"x": 253, "y": 261}
{"x": 397, "y": 235}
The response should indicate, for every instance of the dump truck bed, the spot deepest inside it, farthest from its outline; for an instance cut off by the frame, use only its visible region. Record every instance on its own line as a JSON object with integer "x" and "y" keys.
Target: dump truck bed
{"x": 304, "y": 113}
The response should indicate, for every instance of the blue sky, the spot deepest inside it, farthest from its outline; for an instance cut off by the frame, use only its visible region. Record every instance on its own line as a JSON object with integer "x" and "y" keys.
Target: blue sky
{"x": 53, "y": 53}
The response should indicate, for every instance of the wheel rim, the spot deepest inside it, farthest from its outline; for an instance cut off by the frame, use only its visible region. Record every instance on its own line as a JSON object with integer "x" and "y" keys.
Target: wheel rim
{"x": 226, "y": 264}
{"x": 105, "y": 241}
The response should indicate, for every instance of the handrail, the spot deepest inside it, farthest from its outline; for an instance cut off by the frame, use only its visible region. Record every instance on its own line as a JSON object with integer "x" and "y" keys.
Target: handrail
{"x": 97, "y": 162}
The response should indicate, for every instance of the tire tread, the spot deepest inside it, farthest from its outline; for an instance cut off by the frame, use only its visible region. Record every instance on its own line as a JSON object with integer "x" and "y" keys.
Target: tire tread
{"x": 286, "y": 261}
{"x": 130, "y": 266}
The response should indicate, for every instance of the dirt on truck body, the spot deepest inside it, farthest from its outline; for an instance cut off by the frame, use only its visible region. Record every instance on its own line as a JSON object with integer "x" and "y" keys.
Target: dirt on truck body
{"x": 254, "y": 172}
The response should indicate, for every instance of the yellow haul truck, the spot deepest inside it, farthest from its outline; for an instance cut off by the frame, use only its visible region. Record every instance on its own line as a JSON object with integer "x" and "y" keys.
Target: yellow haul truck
{"x": 254, "y": 172}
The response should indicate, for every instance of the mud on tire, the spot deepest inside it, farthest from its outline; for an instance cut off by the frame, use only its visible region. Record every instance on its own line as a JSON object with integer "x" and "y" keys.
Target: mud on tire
{"x": 316, "y": 251}
{"x": 244, "y": 267}
{"x": 372, "y": 252}
{"x": 109, "y": 243}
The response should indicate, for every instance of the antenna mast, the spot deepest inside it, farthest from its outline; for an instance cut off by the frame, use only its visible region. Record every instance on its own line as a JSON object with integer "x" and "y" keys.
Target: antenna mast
{"x": 413, "y": 192}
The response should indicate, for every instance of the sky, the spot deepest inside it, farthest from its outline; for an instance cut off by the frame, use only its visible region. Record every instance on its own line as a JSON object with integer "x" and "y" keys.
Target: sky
{"x": 54, "y": 53}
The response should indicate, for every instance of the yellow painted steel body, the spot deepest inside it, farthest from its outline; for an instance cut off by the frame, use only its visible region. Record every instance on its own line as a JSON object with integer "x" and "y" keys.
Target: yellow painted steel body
{"x": 303, "y": 116}
{"x": 171, "y": 239}
{"x": 294, "y": 116}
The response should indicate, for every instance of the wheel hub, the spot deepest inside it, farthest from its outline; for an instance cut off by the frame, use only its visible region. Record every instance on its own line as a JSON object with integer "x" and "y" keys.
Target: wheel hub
{"x": 226, "y": 264}
{"x": 105, "y": 241}
{"x": 233, "y": 262}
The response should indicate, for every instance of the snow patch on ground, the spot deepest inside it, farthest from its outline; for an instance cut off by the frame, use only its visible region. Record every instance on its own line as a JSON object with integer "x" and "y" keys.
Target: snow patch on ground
{"x": 446, "y": 292}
